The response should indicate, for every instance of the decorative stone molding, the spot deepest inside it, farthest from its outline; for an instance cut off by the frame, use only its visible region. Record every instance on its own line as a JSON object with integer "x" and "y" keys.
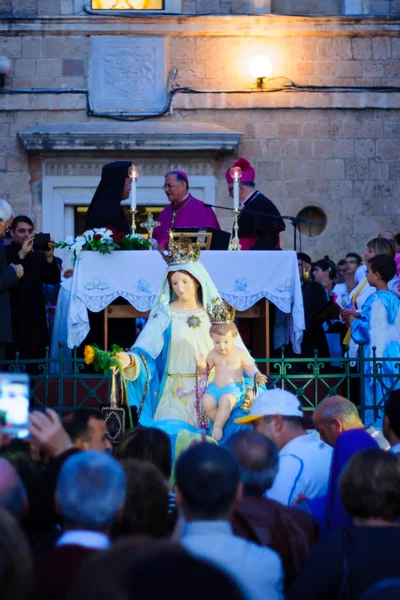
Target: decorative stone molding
{"x": 130, "y": 137}
{"x": 128, "y": 74}
{"x": 54, "y": 167}
{"x": 239, "y": 25}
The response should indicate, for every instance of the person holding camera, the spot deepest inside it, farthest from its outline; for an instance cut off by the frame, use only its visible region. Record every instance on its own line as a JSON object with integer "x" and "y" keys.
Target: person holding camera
{"x": 35, "y": 252}
{"x": 9, "y": 275}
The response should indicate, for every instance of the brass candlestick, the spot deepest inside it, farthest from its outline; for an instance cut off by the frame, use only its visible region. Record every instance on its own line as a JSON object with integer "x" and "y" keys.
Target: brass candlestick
{"x": 150, "y": 224}
{"x": 235, "y": 243}
{"x": 133, "y": 224}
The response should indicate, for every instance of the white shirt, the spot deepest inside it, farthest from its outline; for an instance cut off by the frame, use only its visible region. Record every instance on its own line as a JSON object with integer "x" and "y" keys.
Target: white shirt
{"x": 256, "y": 569}
{"x": 304, "y": 465}
{"x": 87, "y": 539}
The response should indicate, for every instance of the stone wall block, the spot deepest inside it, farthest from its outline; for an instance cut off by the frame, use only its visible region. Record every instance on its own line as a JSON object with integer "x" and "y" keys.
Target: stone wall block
{"x": 341, "y": 48}
{"x": 323, "y": 148}
{"x": 24, "y": 67}
{"x": 392, "y": 207}
{"x": 293, "y": 170}
{"x": 183, "y": 48}
{"x": 53, "y": 47}
{"x": 364, "y": 189}
{"x": 5, "y": 6}
{"x": 283, "y": 149}
{"x": 24, "y": 7}
{"x": 395, "y": 8}
{"x": 313, "y": 168}
{"x": 305, "y": 148}
{"x": 268, "y": 169}
{"x": 392, "y": 68}
{"x": 391, "y": 130}
{"x": 76, "y": 46}
{"x": 334, "y": 168}
{"x": 362, "y": 48}
{"x": 395, "y": 41}
{"x": 266, "y": 130}
{"x": 31, "y": 47}
{"x": 385, "y": 189}
{"x": 379, "y": 7}
{"x": 364, "y": 148}
{"x": 381, "y": 47}
{"x": 351, "y": 129}
{"x": 49, "y": 67}
{"x": 357, "y": 168}
{"x": 394, "y": 170}
{"x": 289, "y": 130}
{"x": 388, "y": 150}
{"x": 363, "y": 224}
{"x": 343, "y": 148}
{"x": 379, "y": 170}
{"x": 373, "y": 68}
{"x": 48, "y": 7}
{"x": 73, "y": 67}
{"x": 371, "y": 129}
{"x": 11, "y": 46}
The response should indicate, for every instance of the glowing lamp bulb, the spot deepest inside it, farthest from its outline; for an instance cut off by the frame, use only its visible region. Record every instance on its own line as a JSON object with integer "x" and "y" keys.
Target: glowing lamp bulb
{"x": 235, "y": 173}
{"x": 260, "y": 67}
{"x": 133, "y": 172}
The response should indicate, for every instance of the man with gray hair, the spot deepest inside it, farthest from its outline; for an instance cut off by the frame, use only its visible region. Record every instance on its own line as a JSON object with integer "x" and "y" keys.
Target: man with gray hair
{"x": 183, "y": 210}
{"x": 336, "y": 414}
{"x": 13, "y": 496}
{"x": 90, "y": 495}
{"x": 9, "y": 276}
{"x": 263, "y": 520}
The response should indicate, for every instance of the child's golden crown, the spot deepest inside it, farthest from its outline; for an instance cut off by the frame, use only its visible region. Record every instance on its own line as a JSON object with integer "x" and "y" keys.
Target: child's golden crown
{"x": 181, "y": 251}
{"x": 220, "y": 312}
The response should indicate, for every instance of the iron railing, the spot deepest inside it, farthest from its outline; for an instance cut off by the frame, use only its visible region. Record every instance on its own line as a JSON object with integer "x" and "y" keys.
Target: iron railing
{"x": 66, "y": 383}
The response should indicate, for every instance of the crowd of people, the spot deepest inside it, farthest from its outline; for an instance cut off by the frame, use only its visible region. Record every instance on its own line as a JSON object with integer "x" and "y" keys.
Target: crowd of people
{"x": 277, "y": 512}
{"x": 356, "y": 302}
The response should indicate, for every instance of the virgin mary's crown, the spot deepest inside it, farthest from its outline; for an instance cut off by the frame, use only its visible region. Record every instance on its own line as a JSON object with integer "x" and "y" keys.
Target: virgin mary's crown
{"x": 181, "y": 251}
{"x": 221, "y": 312}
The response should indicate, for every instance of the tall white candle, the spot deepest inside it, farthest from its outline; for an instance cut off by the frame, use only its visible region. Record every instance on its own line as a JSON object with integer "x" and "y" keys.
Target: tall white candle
{"x": 132, "y": 193}
{"x": 236, "y": 173}
{"x": 133, "y": 173}
{"x": 236, "y": 193}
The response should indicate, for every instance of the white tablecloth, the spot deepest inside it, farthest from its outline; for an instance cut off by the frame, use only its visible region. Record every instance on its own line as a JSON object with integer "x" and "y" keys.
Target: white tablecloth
{"x": 242, "y": 278}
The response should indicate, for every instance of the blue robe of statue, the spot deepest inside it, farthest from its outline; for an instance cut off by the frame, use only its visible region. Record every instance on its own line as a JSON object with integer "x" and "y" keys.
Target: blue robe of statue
{"x": 164, "y": 385}
{"x": 379, "y": 327}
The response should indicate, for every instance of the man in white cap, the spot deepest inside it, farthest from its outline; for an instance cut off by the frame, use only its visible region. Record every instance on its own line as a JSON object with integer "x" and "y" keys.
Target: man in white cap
{"x": 304, "y": 460}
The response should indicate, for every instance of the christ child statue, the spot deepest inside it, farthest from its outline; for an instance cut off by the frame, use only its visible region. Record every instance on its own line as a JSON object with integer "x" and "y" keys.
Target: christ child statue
{"x": 230, "y": 362}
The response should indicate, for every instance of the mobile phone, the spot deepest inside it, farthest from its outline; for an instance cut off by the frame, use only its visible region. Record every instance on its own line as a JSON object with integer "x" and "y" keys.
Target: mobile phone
{"x": 14, "y": 404}
{"x": 41, "y": 241}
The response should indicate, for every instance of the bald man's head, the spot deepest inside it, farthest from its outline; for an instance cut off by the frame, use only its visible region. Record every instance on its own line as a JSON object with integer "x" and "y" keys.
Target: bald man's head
{"x": 387, "y": 235}
{"x": 334, "y": 415}
{"x": 13, "y": 496}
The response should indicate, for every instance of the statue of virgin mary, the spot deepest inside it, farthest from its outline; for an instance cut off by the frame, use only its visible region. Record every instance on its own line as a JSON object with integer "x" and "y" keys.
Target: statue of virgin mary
{"x": 160, "y": 367}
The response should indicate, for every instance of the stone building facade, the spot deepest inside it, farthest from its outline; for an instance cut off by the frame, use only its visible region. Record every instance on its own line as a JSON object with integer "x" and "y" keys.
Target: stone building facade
{"x": 87, "y": 86}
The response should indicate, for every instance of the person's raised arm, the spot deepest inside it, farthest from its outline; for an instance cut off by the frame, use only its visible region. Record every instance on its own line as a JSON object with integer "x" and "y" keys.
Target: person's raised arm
{"x": 204, "y": 363}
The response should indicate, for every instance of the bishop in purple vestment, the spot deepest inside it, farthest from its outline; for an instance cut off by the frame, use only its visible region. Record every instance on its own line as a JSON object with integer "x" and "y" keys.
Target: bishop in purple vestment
{"x": 184, "y": 210}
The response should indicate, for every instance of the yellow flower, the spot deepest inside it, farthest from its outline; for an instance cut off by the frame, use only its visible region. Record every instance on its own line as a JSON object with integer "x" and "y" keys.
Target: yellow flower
{"x": 89, "y": 354}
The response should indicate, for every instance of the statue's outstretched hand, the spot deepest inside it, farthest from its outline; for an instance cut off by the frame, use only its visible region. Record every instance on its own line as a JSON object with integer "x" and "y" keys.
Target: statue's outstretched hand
{"x": 260, "y": 378}
{"x": 200, "y": 362}
{"x": 126, "y": 360}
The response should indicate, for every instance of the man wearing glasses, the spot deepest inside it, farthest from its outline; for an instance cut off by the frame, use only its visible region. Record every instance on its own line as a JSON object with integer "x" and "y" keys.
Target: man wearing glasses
{"x": 28, "y": 313}
{"x": 184, "y": 210}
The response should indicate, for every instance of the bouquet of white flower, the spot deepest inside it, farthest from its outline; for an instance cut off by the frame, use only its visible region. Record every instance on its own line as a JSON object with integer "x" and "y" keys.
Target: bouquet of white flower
{"x": 103, "y": 240}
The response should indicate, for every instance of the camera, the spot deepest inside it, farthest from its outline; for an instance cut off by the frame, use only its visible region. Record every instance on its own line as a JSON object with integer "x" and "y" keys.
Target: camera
{"x": 14, "y": 404}
{"x": 41, "y": 242}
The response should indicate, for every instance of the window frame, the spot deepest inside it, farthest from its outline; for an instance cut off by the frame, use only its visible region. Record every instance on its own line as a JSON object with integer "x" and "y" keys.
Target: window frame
{"x": 170, "y": 7}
